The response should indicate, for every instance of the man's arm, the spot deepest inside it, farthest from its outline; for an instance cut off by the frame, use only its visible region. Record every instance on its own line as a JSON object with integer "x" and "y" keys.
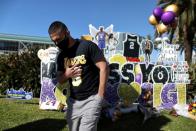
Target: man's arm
{"x": 96, "y": 36}
{"x": 104, "y": 71}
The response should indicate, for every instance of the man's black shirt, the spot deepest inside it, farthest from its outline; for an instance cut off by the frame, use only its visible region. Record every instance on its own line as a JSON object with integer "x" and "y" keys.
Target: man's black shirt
{"x": 86, "y": 54}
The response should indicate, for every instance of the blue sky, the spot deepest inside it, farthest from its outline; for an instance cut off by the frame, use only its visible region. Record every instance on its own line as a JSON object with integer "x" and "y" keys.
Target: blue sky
{"x": 33, "y": 17}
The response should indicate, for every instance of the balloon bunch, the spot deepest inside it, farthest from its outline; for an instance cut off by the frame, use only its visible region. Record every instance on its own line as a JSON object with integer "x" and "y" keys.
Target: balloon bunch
{"x": 164, "y": 18}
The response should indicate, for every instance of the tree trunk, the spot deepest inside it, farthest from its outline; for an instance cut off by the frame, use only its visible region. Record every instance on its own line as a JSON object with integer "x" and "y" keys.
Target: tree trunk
{"x": 187, "y": 44}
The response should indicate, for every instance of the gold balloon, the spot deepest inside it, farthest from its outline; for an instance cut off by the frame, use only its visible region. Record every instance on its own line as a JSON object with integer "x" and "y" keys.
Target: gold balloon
{"x": 87, "y": 37}
{"x": 161, "y": 28}
{"x": 129, "y": 93}
{"x": 137, "y": 69}
{"x": 117, "y": 58}
{"x": 174, "y": 8}
{"x": 141, "y": 58}
{"x": 152, "y": 20}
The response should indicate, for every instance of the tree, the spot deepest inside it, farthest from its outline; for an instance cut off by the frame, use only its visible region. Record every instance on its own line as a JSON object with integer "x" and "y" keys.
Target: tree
{"x": 20, "y": 70}
{"x": 186, "y": 24}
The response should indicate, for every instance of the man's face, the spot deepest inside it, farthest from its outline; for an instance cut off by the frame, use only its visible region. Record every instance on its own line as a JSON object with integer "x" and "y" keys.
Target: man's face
{"x": 57, "y": 37}
{"x": 101, "y": 29}
{"x": 61, "y": 39}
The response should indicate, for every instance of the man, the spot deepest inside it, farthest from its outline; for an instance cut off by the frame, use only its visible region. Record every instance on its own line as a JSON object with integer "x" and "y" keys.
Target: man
{"x": 147, "y": 50}
{"x": 83, "y": 64}
{"x": 101, "y": 38}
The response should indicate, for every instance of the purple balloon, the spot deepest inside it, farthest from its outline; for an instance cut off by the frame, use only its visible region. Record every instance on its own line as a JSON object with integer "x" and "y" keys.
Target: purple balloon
{"x": 168, "y": 17}
{"x": 138, "y": 78}
{"x": 157, "y": 12}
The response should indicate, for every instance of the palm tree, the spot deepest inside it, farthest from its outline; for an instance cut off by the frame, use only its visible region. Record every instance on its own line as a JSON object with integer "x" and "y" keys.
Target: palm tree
{"x": 186, "y": 24}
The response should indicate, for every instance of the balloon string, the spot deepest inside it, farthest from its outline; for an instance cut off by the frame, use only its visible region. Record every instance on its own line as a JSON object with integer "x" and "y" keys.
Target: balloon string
{"x": 158, "y": 31}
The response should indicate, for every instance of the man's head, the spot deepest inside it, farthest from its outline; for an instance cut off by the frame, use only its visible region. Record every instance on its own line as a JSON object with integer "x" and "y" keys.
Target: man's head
{"x": 59, "y": 34}
{"x": 101, "y": 28}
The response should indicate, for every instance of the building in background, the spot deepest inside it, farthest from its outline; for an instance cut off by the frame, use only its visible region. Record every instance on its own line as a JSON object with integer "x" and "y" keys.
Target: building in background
{"x": 10, "y": 43}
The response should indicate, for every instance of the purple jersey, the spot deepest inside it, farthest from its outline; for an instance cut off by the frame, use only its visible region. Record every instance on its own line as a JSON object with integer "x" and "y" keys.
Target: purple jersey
{"x": 101, "y": 36}
{"x": 101, "y": 40}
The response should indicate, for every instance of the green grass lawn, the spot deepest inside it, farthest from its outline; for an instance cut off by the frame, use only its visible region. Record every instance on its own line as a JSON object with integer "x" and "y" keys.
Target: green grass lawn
{"x": 23, "y": 115}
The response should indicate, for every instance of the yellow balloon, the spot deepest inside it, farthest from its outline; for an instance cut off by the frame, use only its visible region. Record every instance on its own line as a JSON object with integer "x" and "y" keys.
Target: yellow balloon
{"x": 161, "y": 28}
{"x": 173, "y": 7}
{"x": 137, "y": 89}
{"x": 137, "y": 69}
{"x": 124, "y": 92}
{"x": 87, "y": 37}
{"x": 129, "y": 93}
{"x": 117, "y": 58}
{"x": 59, "y": 93}
{"x": 152, "y": 20}
{"x": 141, "y": 58}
